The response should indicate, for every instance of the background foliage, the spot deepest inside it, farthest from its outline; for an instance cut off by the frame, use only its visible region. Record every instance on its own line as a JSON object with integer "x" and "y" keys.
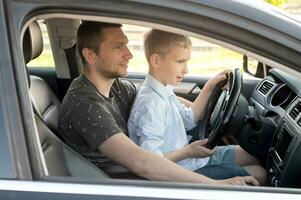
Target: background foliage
{"x": 281, "y": 3}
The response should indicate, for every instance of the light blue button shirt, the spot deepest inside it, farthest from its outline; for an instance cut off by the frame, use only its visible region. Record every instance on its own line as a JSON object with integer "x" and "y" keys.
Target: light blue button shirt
{"x": 158, "y": 121}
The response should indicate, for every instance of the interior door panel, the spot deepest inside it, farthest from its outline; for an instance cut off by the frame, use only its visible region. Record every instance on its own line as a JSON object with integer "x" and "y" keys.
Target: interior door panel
{"x": 191, "y": 86}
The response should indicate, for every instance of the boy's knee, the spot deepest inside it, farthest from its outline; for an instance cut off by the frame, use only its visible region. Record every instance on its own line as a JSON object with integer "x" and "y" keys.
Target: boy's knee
{"x": 243, "y": 158}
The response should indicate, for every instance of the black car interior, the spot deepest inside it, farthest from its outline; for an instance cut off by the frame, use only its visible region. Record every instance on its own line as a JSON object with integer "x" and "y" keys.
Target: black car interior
{"x": 270, "y": 129}
{"x": 278, "y": 106}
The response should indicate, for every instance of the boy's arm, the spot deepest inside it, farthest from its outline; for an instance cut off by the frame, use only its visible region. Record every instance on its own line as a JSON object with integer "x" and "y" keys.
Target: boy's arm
{"x": 178, "y": 155}
{"x": 201, "y": 101}
{"x": 150, "y": 129}
{"x": 198, "y": 106}
{"x": 184, "y": 101}
{"x": 193, "y": 150}
{"x": 146, "y": 124}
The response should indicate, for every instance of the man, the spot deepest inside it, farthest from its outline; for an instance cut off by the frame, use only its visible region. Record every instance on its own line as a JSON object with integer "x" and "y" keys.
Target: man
{"x": 95, "y": 110}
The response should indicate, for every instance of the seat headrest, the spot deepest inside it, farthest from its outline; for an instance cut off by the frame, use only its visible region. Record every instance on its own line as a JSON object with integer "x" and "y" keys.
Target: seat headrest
{"x": 32, "y": 42}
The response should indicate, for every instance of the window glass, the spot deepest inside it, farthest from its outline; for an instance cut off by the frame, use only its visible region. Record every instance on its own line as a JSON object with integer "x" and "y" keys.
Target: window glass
{"x": 206, "y": 58}
{"x": 46, "y": 57}
{"x": 135, "y": 35}
{"x": 252, "y": 65}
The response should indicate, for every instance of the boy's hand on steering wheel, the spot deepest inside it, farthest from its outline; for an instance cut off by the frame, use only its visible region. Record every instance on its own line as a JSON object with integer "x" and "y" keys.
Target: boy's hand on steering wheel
{"x": 198, "y": 150}
{"x": 211, "y": 83}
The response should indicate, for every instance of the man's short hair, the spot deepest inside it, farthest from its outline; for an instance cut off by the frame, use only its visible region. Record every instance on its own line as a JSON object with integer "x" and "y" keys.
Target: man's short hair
{"x": 90, "y": 34}
{"x": 161, "y": 42}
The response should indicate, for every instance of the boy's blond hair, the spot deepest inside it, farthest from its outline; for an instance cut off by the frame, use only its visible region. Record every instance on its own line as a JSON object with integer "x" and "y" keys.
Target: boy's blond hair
{"x": 161, "y": 42}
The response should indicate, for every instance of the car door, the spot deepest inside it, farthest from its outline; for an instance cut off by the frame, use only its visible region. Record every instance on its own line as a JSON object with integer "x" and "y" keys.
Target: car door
{"x": 191, "y": 85}
{"x": 23, "y": 170}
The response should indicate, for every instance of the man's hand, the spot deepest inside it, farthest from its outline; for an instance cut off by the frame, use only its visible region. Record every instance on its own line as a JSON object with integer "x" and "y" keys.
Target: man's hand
{"x": 198, "y": 150}
{"x": 244, "y": 180}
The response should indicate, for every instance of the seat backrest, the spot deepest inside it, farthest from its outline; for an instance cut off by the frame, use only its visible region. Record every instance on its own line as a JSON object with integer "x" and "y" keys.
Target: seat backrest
{"x": 61, "y": 160}
{"x": 32, "y": 42}
{"x": 45, "y": 102}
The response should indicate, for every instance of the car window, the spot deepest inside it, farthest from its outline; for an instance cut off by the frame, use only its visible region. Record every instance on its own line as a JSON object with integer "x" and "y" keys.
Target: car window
{"x": 46, "y": 57}
{"x": 206, "y": 58}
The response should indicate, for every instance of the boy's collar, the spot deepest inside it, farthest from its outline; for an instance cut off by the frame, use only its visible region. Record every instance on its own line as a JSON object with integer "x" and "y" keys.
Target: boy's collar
{"x": 157, "y": 86}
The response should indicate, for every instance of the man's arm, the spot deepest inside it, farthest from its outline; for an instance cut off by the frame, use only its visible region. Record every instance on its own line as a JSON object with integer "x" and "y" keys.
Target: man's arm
{"x": 149, "y": 165}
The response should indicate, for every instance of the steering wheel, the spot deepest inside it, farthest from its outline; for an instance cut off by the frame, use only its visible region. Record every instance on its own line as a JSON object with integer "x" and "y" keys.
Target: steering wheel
{"x": 220, "y": 108}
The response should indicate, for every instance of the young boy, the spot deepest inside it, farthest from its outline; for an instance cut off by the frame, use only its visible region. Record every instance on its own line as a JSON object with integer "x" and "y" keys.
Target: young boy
{"x": 159, "y": 120}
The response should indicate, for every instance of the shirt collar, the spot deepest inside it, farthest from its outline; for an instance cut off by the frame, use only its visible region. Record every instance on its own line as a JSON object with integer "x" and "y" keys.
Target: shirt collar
{"x": 158, "y": 87}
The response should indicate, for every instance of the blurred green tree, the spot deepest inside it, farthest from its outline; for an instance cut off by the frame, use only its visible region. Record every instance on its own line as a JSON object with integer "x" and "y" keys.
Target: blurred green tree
{"x": 278, "y": 3}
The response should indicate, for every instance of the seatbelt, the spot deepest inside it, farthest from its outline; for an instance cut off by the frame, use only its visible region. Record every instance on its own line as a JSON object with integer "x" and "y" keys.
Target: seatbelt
{"x": 71, "y": 60}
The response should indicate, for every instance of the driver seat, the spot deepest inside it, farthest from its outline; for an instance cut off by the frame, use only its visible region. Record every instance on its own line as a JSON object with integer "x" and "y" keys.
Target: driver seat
{"x": 60, "y": 159}
{"x": 43, "y": 98}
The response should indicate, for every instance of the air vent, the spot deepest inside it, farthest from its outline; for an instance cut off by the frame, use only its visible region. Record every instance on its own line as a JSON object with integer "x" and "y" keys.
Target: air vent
{"x": 265, "y": 87}
{"x": 299, "y": 122}
{"x": 295, "y": 110}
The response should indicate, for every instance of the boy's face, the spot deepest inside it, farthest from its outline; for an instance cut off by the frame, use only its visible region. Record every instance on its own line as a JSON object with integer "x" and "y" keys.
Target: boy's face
{"x": 173, "y": 66}
{"x": 114, "y": 54}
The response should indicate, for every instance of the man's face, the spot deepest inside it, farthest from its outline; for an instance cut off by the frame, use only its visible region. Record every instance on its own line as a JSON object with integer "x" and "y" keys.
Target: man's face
{"x": 114, "y": 55}
{"x": 173, "y": 66}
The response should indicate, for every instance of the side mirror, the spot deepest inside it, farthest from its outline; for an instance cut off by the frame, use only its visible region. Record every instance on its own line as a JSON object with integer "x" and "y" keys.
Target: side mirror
{"x": 256, "y": 69}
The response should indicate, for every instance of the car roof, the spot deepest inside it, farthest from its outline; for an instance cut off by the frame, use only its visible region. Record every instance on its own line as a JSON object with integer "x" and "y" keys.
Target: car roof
{"x": 253, "y": 28}
{"x": 261, "y": 12}
{"x": 254, "y": 10}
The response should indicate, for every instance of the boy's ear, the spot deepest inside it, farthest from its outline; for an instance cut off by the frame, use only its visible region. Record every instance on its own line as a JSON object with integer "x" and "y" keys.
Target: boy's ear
{"x": 89, "y": 55}
{"x": 155, "y": 60}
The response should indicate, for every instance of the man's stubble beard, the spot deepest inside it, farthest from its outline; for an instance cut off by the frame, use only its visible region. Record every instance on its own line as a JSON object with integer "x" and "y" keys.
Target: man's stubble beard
{"x": 109, "y": 74}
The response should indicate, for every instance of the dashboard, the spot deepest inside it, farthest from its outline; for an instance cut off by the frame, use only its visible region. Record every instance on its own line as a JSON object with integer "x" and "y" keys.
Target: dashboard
{"x": 272, "y": 131}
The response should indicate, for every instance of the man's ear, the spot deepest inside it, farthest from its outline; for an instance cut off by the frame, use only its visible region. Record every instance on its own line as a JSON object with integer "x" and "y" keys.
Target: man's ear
{"x": 155, "y": 60}
{"x": 89, "y": 55}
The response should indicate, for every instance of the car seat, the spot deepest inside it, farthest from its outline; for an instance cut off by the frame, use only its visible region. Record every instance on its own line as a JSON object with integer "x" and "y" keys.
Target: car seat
{"x": 60, "y": 159}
